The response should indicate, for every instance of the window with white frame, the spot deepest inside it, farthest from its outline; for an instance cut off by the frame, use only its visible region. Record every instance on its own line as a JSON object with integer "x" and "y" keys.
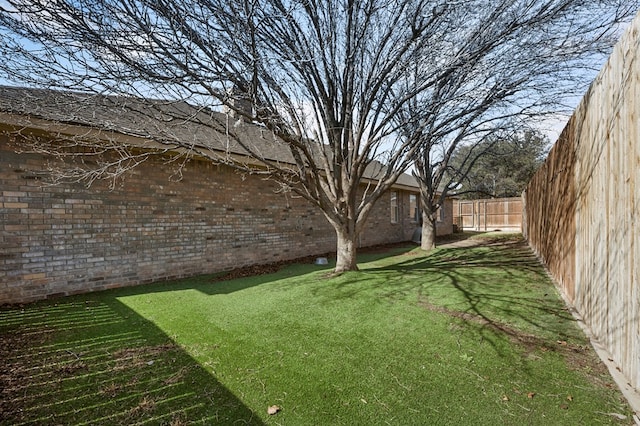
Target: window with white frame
{"x": 395, "y": 211}
{"x": 414, "y": 212}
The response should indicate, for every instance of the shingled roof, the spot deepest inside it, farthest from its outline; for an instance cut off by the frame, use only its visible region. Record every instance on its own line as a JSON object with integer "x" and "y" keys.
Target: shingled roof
{"x": 151, "y": 122}
{"x": 166, "y": 122}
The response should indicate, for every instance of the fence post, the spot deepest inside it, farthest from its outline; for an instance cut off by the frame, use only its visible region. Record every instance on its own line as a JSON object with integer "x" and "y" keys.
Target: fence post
{"x": 485, "y": 215}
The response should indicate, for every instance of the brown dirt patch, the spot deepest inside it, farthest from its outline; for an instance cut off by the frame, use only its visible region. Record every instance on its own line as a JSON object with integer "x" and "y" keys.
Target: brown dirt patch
{"x": 270, "y": 268}
{"x": 14, "y": 374}
{"x": 136, "y": 357}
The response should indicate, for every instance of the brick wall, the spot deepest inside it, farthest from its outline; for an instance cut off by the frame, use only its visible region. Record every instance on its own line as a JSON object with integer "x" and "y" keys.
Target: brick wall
{"x": 66, "y": 239}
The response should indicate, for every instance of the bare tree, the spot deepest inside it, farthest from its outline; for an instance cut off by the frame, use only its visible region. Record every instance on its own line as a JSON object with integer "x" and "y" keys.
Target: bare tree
{"x": 505, "y": 67}
{"x": 319, "y": 75}
{"x": 343, "y": 85}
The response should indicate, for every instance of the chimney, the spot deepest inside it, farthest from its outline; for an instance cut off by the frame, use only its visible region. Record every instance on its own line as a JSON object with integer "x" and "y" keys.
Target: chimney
{"x": 239, "y": 102}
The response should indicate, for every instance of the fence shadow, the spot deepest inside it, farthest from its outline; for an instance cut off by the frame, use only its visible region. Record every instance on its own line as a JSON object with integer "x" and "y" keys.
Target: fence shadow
{"x": 98, "y": 362}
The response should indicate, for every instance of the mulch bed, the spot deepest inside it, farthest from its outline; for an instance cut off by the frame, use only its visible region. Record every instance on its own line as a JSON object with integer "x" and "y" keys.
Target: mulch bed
{"x": 270, "y": 268}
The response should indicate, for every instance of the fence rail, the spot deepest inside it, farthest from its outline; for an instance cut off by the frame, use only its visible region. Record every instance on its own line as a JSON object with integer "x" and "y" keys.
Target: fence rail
{"x": 582, "y": 208}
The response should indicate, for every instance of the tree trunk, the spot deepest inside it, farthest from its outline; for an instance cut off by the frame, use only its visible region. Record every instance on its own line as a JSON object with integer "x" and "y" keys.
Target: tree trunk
{"x": 346, "y": 251}
{"x": 428, "y": 231}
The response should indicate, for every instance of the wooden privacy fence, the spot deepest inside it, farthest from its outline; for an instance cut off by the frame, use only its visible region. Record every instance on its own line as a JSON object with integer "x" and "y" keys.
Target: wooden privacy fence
{"x": 489, "y": 214}
{"x": 582, "y": 208}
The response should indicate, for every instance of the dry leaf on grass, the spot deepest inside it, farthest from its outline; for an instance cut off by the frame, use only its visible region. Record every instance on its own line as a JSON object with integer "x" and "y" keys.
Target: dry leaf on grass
{"x": 274, "y": 409}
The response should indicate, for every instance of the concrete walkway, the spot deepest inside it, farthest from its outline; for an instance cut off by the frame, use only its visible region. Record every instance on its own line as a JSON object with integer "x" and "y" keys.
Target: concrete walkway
{"x": 467, "y": 242}
{"x": 470, "y": 239}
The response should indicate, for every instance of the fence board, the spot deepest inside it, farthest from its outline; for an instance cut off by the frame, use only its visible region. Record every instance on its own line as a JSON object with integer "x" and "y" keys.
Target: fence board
{"x": 582, "y": 207}
{"x": 634, "y": 154}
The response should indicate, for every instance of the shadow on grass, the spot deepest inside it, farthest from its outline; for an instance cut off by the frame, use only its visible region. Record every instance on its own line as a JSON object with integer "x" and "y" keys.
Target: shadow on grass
{"x": 90, "y": 359}
{"x": 95, "y": 361}
{"x": 498, "y": 287}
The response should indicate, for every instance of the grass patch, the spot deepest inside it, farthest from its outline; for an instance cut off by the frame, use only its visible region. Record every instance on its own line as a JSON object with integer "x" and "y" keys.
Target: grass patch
{"x": 463, "y": 335}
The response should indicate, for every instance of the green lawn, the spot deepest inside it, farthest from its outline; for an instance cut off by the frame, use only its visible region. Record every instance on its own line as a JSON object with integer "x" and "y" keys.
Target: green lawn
{"x": 462, "y": 336}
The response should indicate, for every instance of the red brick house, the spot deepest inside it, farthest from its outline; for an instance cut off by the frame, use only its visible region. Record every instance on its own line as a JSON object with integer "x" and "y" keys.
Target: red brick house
{"x": 162, "y": 220}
